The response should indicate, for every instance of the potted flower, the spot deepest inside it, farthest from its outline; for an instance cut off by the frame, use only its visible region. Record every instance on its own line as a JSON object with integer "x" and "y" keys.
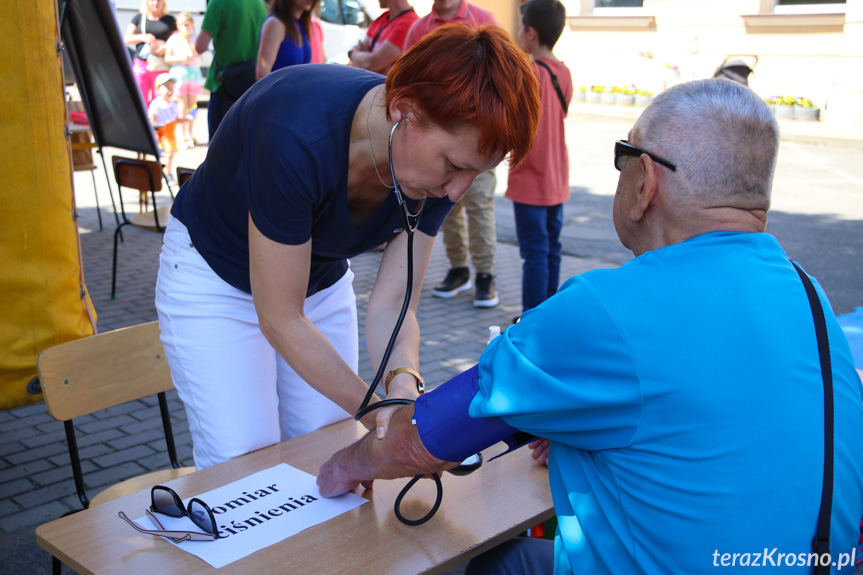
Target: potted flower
{"x": 625, "y": 96}
{"x": 594, "y": 94}
{"x": 608, "y": 96}
{"x": 580, "y": 95}
{"x": 805, "y": 110}
{"x": 783, "y": 107}
{"x": 643, "y": 97}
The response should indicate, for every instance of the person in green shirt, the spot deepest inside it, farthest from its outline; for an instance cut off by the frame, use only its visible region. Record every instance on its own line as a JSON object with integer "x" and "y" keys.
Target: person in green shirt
{"x": 233, "y": 26}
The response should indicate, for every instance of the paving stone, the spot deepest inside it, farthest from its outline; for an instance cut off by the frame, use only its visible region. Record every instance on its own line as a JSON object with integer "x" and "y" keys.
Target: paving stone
{"x": 7, "y": 508}
{"x": 15, "y": 487}
{"x": 35, "y": 516}
{"x": 40, "y": 439}
{"x": 142, "y": 426}
{"x": 27, "y": 411}
{"x": 107, "y": 477}
{"x": 125, "y": 441}
{"x": 61, "y": 474}
{"x": 121, "y": 456}
{"x": 33, "y": 454}
{"x": 36, "y": 497}
{"x": 51, "y": 426}
{"x": 106, "y": 435}
{"x": 147, "y": 412}
{"x": 100, "y": 424}
{"x": 123, "y": 408}
{"x": 93, "y": 451}
{"x": 30, "y": 469}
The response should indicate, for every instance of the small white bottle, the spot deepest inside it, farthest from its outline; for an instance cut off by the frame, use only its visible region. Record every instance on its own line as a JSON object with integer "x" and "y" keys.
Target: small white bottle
{"x": 493, "y": 332}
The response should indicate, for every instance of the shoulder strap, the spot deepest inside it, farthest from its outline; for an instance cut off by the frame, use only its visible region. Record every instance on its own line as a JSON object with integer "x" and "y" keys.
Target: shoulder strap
{"x": 821, "y": 543}
{"x": 384, "y": 27}
{"x": 556, "y": 85}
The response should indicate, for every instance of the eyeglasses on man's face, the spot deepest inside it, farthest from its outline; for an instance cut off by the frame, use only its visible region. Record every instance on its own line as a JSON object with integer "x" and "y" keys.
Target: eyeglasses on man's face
{"x": 623, "y": 150}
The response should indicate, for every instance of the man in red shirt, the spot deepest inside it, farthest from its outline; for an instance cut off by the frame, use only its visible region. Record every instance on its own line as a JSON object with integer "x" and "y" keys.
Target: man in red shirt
{"x": 478, "y": 202}
{"x": 385, "y": 39}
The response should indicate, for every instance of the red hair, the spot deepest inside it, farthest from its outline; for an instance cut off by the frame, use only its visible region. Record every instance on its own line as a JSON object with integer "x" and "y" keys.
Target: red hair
{"x": 457, "y": 76}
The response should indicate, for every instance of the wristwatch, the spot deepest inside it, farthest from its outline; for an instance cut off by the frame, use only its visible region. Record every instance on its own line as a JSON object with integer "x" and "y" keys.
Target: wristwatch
{"x": 421, "y": 384}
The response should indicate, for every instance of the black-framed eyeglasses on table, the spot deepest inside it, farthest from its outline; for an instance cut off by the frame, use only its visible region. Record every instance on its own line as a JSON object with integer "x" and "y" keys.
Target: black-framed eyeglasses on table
{"x": 623, "y": 150}
{"x": 165, "y": 500}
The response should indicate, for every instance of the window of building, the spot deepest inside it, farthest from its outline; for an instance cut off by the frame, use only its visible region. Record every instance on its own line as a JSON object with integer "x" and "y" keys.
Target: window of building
{"x": 618, "y": 7}
{"x": 618, "y": 4}
{"x": 809, "y": 7}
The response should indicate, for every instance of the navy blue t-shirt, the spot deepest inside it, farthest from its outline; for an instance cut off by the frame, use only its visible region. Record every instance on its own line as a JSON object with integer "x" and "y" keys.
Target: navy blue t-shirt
{"x": 281, "y": 154}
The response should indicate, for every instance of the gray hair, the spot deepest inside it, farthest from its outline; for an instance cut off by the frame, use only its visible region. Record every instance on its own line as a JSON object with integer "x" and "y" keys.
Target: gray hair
{"x": 721, "y": 136}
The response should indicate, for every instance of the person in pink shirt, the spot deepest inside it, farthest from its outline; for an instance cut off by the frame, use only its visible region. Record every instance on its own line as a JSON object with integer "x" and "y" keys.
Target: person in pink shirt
{"x": 539, "y": 186}
{"x": 385, "y": 39}
{"x": 446, "y": 12}
{"x": 477, "y": 206}
{"x": 316, "y": 37}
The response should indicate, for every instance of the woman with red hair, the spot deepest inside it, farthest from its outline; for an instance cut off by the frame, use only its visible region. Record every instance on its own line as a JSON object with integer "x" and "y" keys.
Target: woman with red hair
{"x": 312, "y": 166}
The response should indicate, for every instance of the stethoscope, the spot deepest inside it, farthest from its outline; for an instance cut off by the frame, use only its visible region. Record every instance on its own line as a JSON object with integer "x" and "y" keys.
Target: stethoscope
{"x": 411, "y": 221}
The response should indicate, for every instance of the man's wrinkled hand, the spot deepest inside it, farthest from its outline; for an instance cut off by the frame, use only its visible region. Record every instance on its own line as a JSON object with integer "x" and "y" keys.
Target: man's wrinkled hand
{"x": 333, "y": 477}
{"x": 540, "y": 450}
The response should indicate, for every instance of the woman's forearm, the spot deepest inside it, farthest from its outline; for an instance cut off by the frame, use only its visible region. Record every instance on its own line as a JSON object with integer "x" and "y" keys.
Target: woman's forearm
{"x": 316, "y": 361}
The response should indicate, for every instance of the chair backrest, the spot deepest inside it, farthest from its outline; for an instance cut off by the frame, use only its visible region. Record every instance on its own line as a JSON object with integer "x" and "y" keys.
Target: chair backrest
{"x": 143, "y": 175}
{"x": 101, "y": 371}
{"x": 184, "y": 174}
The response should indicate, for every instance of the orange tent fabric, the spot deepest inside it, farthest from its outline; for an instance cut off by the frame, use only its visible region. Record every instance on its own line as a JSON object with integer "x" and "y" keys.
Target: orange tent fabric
{"x": 43, "y": 298}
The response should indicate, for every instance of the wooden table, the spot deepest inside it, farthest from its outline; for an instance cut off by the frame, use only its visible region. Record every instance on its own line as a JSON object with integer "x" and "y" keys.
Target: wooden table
{"x": 503, "y": 498}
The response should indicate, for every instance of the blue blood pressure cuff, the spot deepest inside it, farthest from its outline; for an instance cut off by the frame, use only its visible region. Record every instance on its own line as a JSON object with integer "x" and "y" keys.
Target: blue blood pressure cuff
{"x": 447, "y": 430}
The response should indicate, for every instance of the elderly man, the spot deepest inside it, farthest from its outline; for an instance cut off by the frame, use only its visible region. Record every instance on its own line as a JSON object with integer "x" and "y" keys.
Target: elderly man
{"x": 682, "y": 392}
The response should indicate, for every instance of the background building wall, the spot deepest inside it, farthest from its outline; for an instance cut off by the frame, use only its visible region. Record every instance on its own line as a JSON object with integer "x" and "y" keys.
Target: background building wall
{"x": 815, "y": 55}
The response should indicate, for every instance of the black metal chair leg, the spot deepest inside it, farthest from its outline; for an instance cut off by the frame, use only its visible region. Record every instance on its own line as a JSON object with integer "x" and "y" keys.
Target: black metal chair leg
{"x": 114, "y": 269}
{"x": 110, "y": 192}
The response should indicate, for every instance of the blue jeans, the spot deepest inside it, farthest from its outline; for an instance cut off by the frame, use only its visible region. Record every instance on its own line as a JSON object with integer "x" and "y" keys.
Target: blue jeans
{"x": 217, "y": 108}
{"x": 538, "y": 230}
{"x": 518, "y": 556}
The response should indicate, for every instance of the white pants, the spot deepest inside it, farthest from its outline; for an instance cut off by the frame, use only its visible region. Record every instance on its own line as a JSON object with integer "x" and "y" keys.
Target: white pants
{"x": 240, "y": 395}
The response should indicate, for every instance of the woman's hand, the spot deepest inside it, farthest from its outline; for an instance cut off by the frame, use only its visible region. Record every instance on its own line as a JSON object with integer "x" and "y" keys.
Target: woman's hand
{"x": 157, "y": 47}
{"x": 540, "y": 450}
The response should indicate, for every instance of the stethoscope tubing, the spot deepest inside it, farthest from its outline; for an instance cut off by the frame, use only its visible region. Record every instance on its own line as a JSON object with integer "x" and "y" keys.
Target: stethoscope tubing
{"x": 365, "y": 408}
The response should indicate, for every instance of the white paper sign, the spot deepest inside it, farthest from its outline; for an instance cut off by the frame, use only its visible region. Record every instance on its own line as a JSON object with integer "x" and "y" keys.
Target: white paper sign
{"x": 257, "y": 511}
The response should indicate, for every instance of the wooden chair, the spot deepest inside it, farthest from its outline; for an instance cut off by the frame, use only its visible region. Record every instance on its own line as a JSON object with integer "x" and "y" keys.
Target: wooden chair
{"x": 82, "y": 161}
{"x": 146, "y": 177}
{"x": 94, "y": 373}
{"x": 184, "y": 174}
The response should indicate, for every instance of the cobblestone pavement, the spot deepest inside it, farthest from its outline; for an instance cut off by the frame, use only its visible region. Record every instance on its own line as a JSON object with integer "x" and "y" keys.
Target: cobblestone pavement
{"x": 35, "y": 477}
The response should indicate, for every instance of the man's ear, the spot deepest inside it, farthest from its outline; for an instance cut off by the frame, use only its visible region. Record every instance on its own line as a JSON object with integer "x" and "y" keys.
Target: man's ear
{"x": 648, "y": 187}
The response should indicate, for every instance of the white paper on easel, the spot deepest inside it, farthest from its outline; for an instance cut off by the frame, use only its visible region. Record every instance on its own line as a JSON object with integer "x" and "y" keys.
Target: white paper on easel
{"x": 257, "y": 511}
